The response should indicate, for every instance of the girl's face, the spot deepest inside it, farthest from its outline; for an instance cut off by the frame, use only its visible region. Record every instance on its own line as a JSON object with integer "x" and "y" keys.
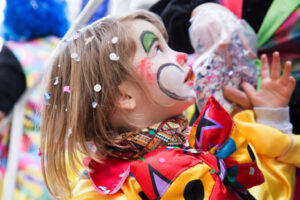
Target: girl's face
{"x": 163, "y": 70}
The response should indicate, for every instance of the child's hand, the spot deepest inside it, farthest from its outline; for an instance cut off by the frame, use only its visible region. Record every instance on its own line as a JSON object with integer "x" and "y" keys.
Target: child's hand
{"x": 275, "y": 90}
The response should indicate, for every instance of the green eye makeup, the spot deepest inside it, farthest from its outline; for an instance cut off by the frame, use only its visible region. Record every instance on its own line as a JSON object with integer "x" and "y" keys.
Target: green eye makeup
{"x": 147, "y": 40}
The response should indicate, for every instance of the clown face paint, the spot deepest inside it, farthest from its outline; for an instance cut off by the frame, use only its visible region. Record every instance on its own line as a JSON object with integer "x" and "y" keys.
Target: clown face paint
{"x": 145, "y": 69}
{"x": 168, "y": 67}
{"x": 147, "y": 40}
{"x": 181, "y": 58}
{"x": 163, "y": 72}
{"x": 175, "y": 82}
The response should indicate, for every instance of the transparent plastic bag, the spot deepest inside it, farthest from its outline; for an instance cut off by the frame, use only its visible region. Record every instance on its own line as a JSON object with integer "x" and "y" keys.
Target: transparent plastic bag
{"x": 225, "y": 53}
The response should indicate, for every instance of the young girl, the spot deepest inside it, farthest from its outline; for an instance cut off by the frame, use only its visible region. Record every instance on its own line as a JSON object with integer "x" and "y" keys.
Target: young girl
{"x": 116, "y": 94}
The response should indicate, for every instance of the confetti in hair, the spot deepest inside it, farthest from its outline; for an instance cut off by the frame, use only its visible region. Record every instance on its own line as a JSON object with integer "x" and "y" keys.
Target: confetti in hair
{"x": 94, "y": 104}
{"x": 47, "y": 96}
{"x": 75, "y": 57}
{"x": 56, "y": 81}
{"x": 69, "y": 132}
{"x": 76, "y": 35}
{"x": 114, "y": 40}
{"x": 89, "y": 39}
{"x": 114, "y": 57}
{"x": 67, "y": 89}
{"x": 97, "y": 87}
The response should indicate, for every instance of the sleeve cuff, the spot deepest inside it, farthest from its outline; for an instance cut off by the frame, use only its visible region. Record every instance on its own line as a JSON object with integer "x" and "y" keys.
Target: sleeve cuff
{"x": 275, "y": 117}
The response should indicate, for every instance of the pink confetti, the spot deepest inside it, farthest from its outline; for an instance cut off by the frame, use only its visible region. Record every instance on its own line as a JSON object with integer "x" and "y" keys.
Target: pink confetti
{"x": 40, "y": 153}
{"x": 162, "y": 160}
{"x": 67, "y": 89}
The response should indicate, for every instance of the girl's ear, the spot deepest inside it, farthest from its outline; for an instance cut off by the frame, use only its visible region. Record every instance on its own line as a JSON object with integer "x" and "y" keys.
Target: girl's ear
{"x": 127, "y": 99}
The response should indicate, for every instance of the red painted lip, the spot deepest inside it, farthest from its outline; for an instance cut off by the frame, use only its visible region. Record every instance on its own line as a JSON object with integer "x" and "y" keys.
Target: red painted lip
{"x": 190, "y": 82}
{"x": 189, "y": 77}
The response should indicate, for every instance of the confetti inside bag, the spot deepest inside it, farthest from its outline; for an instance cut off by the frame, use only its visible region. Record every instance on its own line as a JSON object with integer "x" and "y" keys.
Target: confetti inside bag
{"x": 225, "y": 53}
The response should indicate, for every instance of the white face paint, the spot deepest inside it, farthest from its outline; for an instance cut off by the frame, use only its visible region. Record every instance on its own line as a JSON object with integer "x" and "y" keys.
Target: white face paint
{"x": 166, "y": 65}
{"x": 162, "y": 69}
{"x": 175, "y": 82}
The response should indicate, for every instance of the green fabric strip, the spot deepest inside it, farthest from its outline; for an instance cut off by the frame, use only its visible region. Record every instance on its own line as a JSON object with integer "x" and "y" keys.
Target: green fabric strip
{"x": 276, "y": 15}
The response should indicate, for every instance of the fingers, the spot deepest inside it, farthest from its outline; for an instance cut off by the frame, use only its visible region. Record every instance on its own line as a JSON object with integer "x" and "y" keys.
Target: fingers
{"x": 275, "y": 68}
{"x": 264, "y": 67}
{"x": 237, "y": 97}
{"x": 249, "y": 89}
{"x": 286, "y": 73}
{"x": 291, "y": 85}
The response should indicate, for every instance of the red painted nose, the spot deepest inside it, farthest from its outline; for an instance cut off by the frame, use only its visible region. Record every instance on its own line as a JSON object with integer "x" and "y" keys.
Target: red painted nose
{"x": 181, "y": 58}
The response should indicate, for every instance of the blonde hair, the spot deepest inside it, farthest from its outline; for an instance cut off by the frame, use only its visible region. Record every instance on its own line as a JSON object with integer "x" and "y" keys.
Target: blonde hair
{"x": 69, "y": 121}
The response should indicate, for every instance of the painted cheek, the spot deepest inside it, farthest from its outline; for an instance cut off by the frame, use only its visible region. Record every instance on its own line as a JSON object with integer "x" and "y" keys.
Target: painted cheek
{"x": 181, "y": 58}
{"x": 145, "y": 69}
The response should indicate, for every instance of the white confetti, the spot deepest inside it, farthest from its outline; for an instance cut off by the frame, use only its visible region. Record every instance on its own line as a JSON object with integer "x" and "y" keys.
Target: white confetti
{"x": 203, "y": 71}
{"x": 194, "y": 151}
{"x": 94, "y": 104}
{"x": 251, "y": 171}
{"x": 246, "y": 51}
{"x": 103, "y": 188}
{"x": 75, "y": 57}
{"x": 114, "y": 57}
{"x": 66, "y": 109}
{"x": 56, "y": 81}
{"x": 97, "y": 87}
{"x": 59, "y": 65}
{"x": 89, "y": 39}
{"x": 123, "y": 174}
{"x": 114, "y": 40}
{"x": 69, "y": 132}
{"x": 47, "y": 96}
{"x": 76, "y": 36}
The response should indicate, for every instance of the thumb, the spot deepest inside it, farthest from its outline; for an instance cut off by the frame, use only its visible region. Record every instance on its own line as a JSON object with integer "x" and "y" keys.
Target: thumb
{"x": 237, "y": 96}
{"x": 249, "y": 90}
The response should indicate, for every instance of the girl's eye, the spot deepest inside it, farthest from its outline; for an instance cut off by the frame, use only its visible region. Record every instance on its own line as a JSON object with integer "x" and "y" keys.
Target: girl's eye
{"x": 158, "y": 50}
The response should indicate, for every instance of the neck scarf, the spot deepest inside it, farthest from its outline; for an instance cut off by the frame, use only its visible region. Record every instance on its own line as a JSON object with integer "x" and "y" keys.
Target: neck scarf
{"x": 172, "y": 132}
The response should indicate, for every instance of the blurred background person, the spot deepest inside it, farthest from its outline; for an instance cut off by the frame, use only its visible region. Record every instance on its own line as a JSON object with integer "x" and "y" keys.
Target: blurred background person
{"x": 31, "y": 30}
{"x": 12, "y": 81}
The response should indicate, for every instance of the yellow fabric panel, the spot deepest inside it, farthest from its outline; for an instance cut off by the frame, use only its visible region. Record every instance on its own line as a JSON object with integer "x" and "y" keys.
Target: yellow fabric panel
{"x": 131, "y": 188}
{"x": 292, "y": 156}
{"x": 190, "y": 111}
{"x": 263, "y": 138}
{"x": 268, "y": 143}
{"x": 198, "y": 172}
{"x": 84, "y": 190}
{"x": 241, "y": 154}
{"x": 279, "y": 180}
